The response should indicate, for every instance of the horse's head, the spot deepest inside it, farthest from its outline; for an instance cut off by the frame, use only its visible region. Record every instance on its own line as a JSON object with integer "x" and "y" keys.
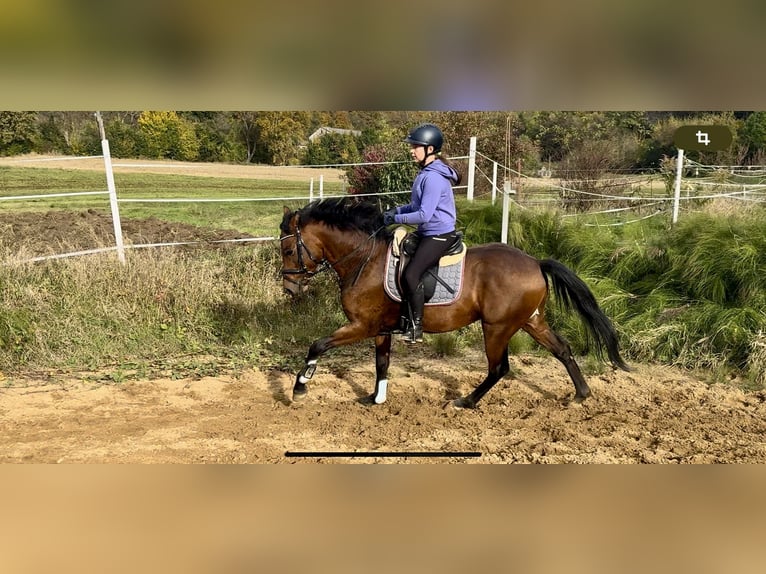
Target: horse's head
{"x": 301, "y": 254}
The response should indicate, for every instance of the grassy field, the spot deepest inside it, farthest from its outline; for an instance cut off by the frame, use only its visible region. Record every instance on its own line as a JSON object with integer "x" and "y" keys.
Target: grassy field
{"x": 253, "y": 209}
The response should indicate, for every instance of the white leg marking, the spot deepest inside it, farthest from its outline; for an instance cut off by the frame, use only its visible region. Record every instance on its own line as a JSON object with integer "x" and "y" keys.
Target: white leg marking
{"x": 380, "y": 392}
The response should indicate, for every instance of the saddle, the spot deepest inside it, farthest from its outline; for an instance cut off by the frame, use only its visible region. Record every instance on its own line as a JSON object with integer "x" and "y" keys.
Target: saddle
{"x": 442, "y": 283}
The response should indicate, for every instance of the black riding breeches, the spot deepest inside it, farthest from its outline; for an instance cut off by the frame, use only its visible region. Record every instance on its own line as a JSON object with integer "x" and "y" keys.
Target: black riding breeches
{"x": 428, "y": 253}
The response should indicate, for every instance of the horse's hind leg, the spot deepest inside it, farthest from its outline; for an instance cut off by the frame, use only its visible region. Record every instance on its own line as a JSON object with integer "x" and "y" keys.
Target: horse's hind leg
{"x": 539, "y": 330}
{"x": 382, "y": 359}
{"x": 496, "y": 346}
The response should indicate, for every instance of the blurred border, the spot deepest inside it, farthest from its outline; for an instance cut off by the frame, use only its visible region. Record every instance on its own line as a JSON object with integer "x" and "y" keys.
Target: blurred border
{"x": 415, "y": 56}
{"x": 430, "y": 55}
{"x": 222, "y": 519}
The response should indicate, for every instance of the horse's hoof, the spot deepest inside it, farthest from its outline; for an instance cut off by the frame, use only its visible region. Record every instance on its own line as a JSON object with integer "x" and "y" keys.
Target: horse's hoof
{"x": 367, "y": 400}
{"x": 460, "y": 403}
{"x": 576, "y": 401}
{"x": 299, "y": 396}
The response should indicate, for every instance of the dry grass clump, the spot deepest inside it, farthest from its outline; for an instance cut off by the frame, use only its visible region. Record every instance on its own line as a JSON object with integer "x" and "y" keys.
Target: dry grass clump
{"x": 90, "y": 311}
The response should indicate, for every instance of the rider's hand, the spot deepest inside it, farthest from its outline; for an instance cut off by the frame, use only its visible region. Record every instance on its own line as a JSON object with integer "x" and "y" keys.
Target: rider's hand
{"x": 388, "y": 216}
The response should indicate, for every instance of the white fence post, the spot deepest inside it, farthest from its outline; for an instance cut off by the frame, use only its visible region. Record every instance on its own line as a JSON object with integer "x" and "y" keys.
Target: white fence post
{"x": 506, "y": 212}
{"x": 494, "y": 182}
{"x": 321, "y": 186}
{"x": 679, "y": 171}
{"x": 112, "y": 191}
{"x": 311, "y": 190}
{"x": 471, "y": 167}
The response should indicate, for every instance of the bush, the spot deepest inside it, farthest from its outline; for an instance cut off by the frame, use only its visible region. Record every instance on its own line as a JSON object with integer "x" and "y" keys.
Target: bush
{"x": 393, "y": 173}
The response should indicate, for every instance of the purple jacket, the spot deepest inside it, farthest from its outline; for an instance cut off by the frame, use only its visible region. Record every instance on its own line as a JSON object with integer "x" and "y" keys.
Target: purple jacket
{"x": 432, "y": 203}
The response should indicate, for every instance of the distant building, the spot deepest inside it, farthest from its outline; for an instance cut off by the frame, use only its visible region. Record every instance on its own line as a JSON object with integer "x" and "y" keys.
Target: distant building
{"x": 324, "y": 130}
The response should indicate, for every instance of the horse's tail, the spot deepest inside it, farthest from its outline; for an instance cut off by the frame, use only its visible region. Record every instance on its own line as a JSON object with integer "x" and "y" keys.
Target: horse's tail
{"x": 572, "y": 292}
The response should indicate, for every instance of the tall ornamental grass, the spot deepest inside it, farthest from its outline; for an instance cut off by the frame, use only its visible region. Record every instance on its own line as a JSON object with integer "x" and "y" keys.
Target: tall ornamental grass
{"x": 692, "y": 295}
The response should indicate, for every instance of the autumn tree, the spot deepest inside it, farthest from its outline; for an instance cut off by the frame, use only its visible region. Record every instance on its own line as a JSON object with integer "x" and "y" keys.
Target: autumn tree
{"x": 123, "y": 134}
{"x": 17, "y": 132}
{"x": 333, "y": 148}
{"x": 280, "y": 136}
{"x": 216, "y": 134}
{"x": 167, "y": 135}
{"x": 71, "y": 133}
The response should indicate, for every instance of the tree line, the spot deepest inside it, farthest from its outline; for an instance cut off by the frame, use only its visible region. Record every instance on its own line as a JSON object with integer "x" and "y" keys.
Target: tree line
{"x": 616, "y": 140}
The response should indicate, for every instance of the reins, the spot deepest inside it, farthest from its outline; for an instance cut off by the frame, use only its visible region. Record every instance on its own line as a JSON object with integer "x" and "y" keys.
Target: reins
{"x": 367, "y": 259}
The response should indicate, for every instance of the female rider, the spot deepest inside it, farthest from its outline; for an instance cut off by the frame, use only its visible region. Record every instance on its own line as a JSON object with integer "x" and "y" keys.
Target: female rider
{"x": 432, "y": 210}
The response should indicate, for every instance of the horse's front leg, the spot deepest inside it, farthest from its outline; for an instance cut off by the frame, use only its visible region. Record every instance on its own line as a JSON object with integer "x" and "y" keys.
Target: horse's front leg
{"x": 346, "y": 335}
{"x": 317, "y": 348}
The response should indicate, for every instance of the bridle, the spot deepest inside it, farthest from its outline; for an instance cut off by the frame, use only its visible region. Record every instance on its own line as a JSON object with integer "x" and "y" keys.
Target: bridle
{"x": 300, "y": 247}
{"x": 321, "y": 264}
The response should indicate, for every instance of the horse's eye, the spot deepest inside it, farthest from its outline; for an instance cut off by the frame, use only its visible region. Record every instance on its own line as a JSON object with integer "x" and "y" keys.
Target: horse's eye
{"x": 288, "y": 252}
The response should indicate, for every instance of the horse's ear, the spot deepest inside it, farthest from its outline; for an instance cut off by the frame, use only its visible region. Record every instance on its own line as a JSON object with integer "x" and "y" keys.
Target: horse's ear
{"x": 285, "y": 209}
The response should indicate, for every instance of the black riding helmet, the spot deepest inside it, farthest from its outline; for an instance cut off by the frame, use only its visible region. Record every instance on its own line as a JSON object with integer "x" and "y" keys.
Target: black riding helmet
{"x": 426, "y": 135}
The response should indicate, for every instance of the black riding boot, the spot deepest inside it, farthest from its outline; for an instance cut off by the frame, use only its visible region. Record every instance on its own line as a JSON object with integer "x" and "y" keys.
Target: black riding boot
{"x": 416, "y": 302}
{"x": 404, "y": 317}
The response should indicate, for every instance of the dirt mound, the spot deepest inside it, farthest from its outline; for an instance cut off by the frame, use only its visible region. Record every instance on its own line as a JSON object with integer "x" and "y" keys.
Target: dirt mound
{"x": 50, "y": 232}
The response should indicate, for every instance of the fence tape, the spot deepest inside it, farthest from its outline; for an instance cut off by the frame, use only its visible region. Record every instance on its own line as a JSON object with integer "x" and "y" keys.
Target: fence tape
{"x": 136, "y": 246}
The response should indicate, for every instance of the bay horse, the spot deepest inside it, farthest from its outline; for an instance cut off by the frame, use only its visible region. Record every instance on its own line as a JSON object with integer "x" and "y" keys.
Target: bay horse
{"x": 503, "y": 287}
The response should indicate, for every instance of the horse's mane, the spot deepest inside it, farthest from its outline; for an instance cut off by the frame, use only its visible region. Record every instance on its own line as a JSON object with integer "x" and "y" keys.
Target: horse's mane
{"x": 345, "y": 214}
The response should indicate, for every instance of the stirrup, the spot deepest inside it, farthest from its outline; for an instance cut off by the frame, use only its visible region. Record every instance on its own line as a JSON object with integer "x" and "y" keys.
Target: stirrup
{"x": 414, "y": 334}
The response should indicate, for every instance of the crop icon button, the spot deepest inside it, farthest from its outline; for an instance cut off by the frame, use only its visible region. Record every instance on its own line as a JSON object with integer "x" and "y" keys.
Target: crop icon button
{"x": 702, "y": 138}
